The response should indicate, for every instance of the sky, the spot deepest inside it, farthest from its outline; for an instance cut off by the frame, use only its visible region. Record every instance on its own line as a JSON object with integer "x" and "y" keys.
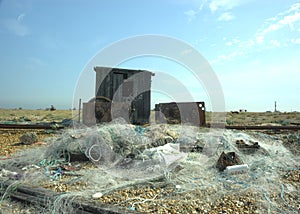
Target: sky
{"x": 253, "y": 47}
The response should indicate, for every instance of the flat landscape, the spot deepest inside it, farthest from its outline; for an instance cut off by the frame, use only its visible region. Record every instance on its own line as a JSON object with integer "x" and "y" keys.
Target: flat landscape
{"x": 243, "y": 118}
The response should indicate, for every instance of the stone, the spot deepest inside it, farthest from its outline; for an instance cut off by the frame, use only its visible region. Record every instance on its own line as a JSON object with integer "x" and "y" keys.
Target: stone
{"x": 28, "y": 138}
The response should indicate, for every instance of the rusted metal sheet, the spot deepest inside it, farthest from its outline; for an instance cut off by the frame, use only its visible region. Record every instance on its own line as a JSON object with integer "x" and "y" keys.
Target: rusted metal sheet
{"x": 99, "y": 112}
{"x": 181, "y": 112}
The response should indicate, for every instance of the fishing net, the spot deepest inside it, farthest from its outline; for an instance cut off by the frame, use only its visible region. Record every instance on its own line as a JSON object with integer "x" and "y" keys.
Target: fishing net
{"x": 121, "y": 156}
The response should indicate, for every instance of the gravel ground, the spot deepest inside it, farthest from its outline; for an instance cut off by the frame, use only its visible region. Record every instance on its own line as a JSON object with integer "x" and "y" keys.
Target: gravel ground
{"x": 10, "y": 143}
{"x": 162, "y": 198}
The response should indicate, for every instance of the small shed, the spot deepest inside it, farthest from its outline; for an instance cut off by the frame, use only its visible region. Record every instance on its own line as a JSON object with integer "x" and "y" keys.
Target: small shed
{"x": 119, "y": 93}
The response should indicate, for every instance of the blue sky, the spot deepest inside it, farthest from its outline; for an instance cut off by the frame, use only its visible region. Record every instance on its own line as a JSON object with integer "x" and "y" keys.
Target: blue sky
{"x": 253, "y": 47}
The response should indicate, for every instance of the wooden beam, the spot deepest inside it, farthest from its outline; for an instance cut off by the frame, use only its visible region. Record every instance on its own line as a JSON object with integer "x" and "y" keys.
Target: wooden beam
{"x": 30, "y": 126}
{"x": 42, "y": 197}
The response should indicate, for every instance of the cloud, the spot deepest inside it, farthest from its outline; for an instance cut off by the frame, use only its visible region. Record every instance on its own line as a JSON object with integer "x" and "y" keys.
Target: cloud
{"x": 34, "y": 64}
{"x": 296, "y": 41}
{"x": 202, "y": 4}
{"x": 261, "y": 40}
{"x": 226, "y": 16}
{"x": 284, "y": 19}
{"x": 228, "y": 57}
{"x": 16, "y": 26}
{"x": 21, "y": 17}
{"x": 275, "y": 43}
{"x": 224, "y": 4}
{"x": 294, "y": 7}
{"x": 288, "y": 20}
{"x": 191, "y": 15}
{"x": 232, "y": 42}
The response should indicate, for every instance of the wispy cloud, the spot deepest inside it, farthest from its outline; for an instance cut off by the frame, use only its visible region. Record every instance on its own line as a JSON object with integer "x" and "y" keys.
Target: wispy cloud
{"x": 232, "y": 42}
{"x": 294, "y": 7}
{"x": 190, "y": 14}
{"x": 202, "y": 4}
{"x": 265, "y": 37}
{"x": 226, "y": 17}
{"x": 224, "y": 4}
{"x": 16, "y": 26}
{"x": 21, "y": 17}
{"x": 285, "y": 19}
{"x": 198, "y": 6}
{"x": 275, "y": 43}
{"x": 221, "y": 6}
{"x": 296, "y": 41}
{"x": 34, "y": 64}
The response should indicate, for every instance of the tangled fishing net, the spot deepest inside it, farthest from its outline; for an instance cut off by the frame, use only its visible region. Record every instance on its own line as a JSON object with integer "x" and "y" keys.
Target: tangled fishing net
{"x": 179, "y": 157}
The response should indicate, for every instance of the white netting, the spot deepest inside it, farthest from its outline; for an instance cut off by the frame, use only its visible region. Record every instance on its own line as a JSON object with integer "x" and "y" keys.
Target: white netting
{"x": 125, "y": 155}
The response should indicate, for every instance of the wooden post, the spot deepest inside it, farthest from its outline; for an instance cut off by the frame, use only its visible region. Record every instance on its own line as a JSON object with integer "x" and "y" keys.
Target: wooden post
{"x": 79, "y": 110}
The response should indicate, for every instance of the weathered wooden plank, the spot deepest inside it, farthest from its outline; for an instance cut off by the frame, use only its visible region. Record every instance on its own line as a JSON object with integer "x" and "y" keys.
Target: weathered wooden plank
{"x": 42, "y": 197}
{"x": 29, "y": 126}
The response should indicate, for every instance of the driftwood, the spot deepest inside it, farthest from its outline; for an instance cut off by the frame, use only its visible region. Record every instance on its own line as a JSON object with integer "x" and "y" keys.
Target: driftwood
{"x": 31, "y": 126}
{"x": 44, "y": 197}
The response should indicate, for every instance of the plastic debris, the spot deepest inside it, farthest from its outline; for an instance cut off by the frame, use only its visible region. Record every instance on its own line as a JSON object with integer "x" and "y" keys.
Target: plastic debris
{"x": 178, "y": 186}
{"x": 97, "y": 195}
{"x": 228, "y": 159}
{"x": 236, "y": 169}
{"x": 10, "y": 174}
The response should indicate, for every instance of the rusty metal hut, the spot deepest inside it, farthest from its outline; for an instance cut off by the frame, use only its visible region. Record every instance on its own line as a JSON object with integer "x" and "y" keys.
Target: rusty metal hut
{"x": 119, "y": 93}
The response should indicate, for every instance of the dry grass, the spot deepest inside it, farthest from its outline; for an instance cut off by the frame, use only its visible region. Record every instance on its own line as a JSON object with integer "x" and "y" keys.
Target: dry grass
{"x": 244, "y": 118}
{"x": 9, "y": 138}
{"x": 34, "y": 115}
{"x": 259, "y": 118}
